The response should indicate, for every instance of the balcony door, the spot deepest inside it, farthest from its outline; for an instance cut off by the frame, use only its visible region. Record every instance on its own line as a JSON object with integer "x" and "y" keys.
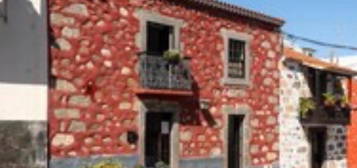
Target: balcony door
{"x": 158, "y": 138}
{"x": 160, "y": 38}
{"x": 235, "y": 138}
{"x": 317, "y": 139}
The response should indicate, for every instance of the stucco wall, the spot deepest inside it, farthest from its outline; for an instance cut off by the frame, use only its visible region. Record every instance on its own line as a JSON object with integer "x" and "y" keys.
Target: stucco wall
{"x": 94, "y": 103}
{"x": 294, "y": 146}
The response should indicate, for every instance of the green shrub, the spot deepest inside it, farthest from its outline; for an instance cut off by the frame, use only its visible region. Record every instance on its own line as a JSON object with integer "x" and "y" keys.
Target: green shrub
{"x": 172, "y": 55}
{"x": 107, "y": 164}
{"x": 139, "y": 166}
{"x": 161, "y": 165}
{"x": 306, "y": 105}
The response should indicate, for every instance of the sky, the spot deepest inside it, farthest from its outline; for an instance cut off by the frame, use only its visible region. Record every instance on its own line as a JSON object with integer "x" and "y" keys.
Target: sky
{"x": 333, "y": 21}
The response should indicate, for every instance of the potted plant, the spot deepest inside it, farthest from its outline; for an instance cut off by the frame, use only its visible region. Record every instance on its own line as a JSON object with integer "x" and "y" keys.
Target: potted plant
{"x": 172, "y": 56}
{"x": 344, "y": 106}
{"x": 329, "y": 99}
{"x": 307, "y": 105}
{"x": 330, "y": 104}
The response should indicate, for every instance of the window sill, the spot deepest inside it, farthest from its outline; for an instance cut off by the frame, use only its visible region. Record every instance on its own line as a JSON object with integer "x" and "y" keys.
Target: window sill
{"x": 235, "y": 82}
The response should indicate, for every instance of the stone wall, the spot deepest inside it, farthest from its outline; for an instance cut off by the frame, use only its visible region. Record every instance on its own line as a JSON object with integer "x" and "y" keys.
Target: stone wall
{"x": 294, "y": 146}
{"x": 93, "y": 101}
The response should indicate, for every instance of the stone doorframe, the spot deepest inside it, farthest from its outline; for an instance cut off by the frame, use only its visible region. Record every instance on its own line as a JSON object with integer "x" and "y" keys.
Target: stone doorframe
{"x": 245, "y": 111}
{"x": 155, "y": 106}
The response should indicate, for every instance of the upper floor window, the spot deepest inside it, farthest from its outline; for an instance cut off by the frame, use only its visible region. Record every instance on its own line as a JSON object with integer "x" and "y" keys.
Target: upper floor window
{"x": 158, "y": 33}
{"x": 236, "y": 58}
{"x": 3, "y": 10}
{"x": 159, "y": 38}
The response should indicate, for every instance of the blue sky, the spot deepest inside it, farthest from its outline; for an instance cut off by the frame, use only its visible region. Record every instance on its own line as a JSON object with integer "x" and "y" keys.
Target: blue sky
{"x": 332, "y": 21}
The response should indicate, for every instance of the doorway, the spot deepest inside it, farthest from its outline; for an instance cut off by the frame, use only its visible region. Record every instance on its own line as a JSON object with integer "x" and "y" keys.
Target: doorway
{"x": 235, "y": 140}
{"x": 158, "y": 138}
{"x": 317, "y": 140}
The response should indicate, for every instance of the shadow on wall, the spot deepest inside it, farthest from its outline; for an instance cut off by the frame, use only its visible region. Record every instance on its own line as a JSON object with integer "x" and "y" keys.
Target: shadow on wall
{"x": 336, "y": 147}
{"x": 330, "y": 149}
{"x": 23, "y": 43}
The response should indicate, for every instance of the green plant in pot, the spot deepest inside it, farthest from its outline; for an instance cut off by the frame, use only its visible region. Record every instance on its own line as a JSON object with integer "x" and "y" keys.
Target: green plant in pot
{"x": 306, "y": 106}
{"x": 172, "y": 56}
{"x": 344, "y": 106}
{"x": 344, "y": 101}
{"x": 329, "y": 99}
{"x": 330, "y": 104}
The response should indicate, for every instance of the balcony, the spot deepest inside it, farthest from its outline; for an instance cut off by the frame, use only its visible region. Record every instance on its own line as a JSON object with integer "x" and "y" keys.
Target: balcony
{"x": 327, "y": 114}
{"x": 158, "y": 75}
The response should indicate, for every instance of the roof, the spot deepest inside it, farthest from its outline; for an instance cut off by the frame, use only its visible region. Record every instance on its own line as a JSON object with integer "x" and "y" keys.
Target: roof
{"x": 349, "y": 61}
{"x": 234, "y": 9}
{"x": 316, "y": 63}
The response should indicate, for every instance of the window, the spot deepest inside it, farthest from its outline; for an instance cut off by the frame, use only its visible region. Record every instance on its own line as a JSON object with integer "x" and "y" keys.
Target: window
{"x": 159, "y": 38}
{"x": 236, "y": 59}
{"x": 3, "y": 10}
{"x": 158, "y": 33}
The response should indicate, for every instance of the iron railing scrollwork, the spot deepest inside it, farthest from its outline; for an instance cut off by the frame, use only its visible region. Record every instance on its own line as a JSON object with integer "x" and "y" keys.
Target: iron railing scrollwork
{"x": 159, "y": 73}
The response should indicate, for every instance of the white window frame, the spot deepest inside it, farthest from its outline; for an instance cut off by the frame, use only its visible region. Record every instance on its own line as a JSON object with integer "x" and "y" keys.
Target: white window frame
{"x": 227, "y": 35}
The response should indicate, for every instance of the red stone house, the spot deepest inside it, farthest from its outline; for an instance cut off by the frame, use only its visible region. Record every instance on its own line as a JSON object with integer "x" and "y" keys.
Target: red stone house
{"x": 190, "y": 83}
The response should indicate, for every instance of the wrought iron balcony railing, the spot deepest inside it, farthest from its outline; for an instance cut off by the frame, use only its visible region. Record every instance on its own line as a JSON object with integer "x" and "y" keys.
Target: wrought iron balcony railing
{"x": 327, "y": 115}
{"x": 158, "y": 73}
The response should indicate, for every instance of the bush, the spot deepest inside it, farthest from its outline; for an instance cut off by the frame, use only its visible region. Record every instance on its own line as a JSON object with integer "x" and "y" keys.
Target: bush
{"x": 161, "y": 165}
{"x": 139, "y": 166}
{"x": 107, "y": 164}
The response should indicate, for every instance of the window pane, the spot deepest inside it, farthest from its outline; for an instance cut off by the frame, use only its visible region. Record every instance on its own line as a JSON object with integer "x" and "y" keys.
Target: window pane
{"x": 158, "y": 38}
{"x": 236, "y": 59}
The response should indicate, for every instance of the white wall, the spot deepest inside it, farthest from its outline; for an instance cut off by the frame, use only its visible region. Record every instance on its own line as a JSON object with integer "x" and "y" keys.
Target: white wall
{"x": 294, "y": 145}
{"x": 24, "y": 61}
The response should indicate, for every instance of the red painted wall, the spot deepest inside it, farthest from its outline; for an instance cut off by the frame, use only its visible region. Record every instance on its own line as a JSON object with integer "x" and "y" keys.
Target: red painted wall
{"x": 352, "y": 131}
{"x": 98, "y": 63}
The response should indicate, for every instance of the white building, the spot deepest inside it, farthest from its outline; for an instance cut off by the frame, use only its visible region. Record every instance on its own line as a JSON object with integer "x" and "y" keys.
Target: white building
{"x": 23, "y": 82}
